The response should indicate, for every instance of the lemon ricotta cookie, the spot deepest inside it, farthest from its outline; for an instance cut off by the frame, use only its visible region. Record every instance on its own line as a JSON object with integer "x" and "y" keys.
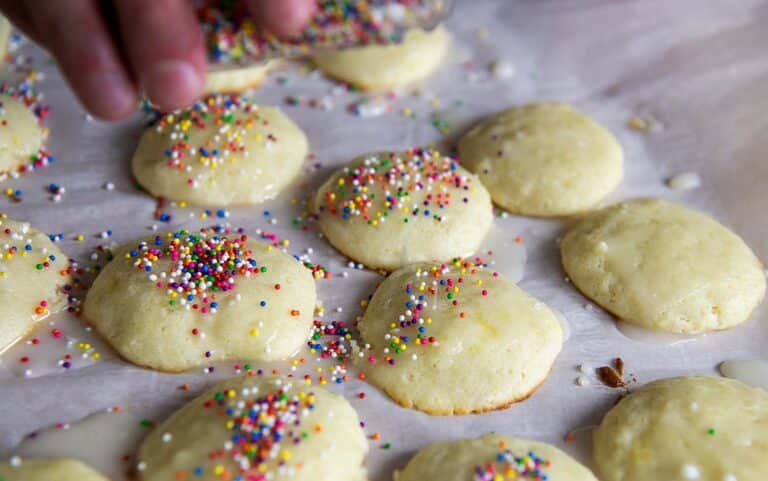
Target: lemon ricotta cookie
{"x": 686, "y": 428}
{"x": 224, "y": 150}
{"x": 456, "y": 338}
{"x": 21, "y": 136}
{"x": 57, "y": 469}
{"x": 662, "y": 266}
{"x": 33, "y": 273}
{"x": 185, "y": 299}
{"x": 389, "y": 209}
{"x": 384, "y": 67}
{"x": 233, "y": 80}
{"x": 543, "y": 159}
{"x": 493, "y": 457}
{"x": 254, "y": 429}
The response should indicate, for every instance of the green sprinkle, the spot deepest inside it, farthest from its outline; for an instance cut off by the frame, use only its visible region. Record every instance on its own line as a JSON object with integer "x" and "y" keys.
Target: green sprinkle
{"x": 711, "y": 431}
{"x": 387, "y": 445}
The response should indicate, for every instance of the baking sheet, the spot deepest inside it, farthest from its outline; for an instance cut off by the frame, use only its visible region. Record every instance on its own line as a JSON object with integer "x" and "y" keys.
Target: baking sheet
{"x": 700, "y": 69}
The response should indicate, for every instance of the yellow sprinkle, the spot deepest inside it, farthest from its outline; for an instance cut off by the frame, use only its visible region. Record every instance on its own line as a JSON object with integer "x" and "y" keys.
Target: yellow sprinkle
{"x": 254, "y": 332}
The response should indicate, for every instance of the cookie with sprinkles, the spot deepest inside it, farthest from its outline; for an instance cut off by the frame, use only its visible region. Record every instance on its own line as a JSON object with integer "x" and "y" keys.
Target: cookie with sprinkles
{"x": 33, "y": 273}
{"x": 21, "y": 137}
{"x": 456, "y": 338}
{"x": 686, "y": 428}
{"x": 257, "y": 429}
{"x": 493, "y": 457}
{"x": 385, "y": 67}
{"x": 189, "y": 298}
{"x": 544, "y": 159}
{"x": 224, "y": 150}
{"x": 389, "y": 209}
{"x": 59, "y": 469}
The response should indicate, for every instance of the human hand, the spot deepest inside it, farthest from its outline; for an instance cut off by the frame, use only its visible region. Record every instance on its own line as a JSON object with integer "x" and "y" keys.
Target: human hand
{"x": 155, "y": 47}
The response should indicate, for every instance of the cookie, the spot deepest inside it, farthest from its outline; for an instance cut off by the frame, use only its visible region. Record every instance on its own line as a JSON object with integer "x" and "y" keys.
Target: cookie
{"x": 5, "y": 34}
{"x": 389, "y": 209}
{"x": 686, "y": 428}
{"x": 456, "y": 338}
{"x": 60, "y": 469}
{"x": 543, "y": 159}
{"x": 185, "y": 299}
{"x": 385, "y": 67}
{"x": 20, "y": 134}
{"x": 234, "y": 80}
{"x": 33, "y": 272}
{"x": 224, "y": 150}
{"x": 493, "y": 457}
{"x": 251, "y": 428}
{"x": 662, "y": 266}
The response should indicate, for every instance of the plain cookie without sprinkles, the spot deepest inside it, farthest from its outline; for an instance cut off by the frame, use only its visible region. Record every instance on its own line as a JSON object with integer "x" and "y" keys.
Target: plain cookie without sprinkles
{"x": 185, "y": 299}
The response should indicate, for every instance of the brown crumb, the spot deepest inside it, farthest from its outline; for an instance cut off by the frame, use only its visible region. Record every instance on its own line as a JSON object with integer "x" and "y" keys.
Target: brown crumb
{"x": 618, "y": 363}
{"x": 638, "y": 123}
{"x": 610, "y": 377}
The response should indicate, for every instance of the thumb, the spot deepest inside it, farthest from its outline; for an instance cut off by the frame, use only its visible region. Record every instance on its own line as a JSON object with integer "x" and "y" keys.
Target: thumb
{"x": 284, "y": 18}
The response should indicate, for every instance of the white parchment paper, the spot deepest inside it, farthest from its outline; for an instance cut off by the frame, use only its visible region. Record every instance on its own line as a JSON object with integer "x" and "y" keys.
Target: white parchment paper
{"x": 699, "y": 67}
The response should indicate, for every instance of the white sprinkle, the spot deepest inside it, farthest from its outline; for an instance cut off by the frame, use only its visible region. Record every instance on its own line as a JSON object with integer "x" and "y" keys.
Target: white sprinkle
{"x": 694, "y": 406}
{"x": 15, "y": 461}
{"x": 502, "y": 69}
{"x": 583, "y": 368}
{"x": 109, "y": 186}
{"x": 690, "y": 471}
{"x": 166, "y": 438}
{"x": 730, "y": 477}
{"x": 684, "y": 181}
{"x": 582, "y": 381}
{"x": 141, "y": 466}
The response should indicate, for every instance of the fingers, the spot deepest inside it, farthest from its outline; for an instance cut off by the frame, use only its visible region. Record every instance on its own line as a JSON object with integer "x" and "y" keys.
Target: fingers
{"x": 164, "y": 45}
{"x": 17, "y": 14}
{"x": 75, "y": 34}
{"x": 284, "y": 17}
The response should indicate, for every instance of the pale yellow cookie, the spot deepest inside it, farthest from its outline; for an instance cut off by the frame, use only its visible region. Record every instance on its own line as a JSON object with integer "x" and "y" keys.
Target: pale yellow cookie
{"x": 250, "y": 428}
{"x": 59, "y": 469}
{"x": 33, "y": 272}
{"x": 20, "y": 135}
{"x": 224, "y": 150}
{"x": 493, "y": 457}
{"x": 384, "y": 67}
{"x": 185, "y": 299}
{"x": 686, "y": 428}
{"x": 543, "y": 159}
{"x": 456, "y": 338}
{"x": 228, "y": 80}
{"x": 662, "y": 266}
{"x": 5, "y": 34}
{"x": 390, "y": 209}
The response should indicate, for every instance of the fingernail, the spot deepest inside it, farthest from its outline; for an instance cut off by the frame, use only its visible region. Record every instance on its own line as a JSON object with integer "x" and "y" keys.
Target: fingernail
{"x": 109, "y": 95}
{"x": 173, "y": 84}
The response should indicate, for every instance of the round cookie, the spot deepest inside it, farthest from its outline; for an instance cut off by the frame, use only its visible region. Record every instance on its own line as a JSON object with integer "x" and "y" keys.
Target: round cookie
{"x": 389, "y": 209}
{"x": 224, "y": 150}
{"x": 665, "y": 267}
{"x": 493, "y": 457}
{"x": 228, "y": 80}
{"x": 250, "y": 428}
{"x": 5, "y": 34}
{"x": 456, "y": 338}
{"x": 385, "y": 67}
{"x": 20, "y": 134}
{"x": 543, "y": 159}
{"x": 185, "y": 299}
{"x": 33, "y": 272}
{"x": 59, "y": 469}
{"x": 686, "y": 428}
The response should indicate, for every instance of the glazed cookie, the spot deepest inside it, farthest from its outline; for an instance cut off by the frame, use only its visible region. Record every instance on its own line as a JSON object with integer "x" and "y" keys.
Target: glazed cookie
{"x": 223, "y": 150}
{"x": 686, "y": 428}
{"x": 185, "y": 299}
{"x": 33, "y": 272}
{"x": 60, "y": 469}
{"x": 393, "y": 208}
{"x": 665, "y": 267}
{"x": 493, "y": 457}
{"x": 456, "y": 338}
{"x": 226, "y": 80}
{"x": 250, "y": 428}
{"x": 5, "y": 34}
{"x": 384, "y": 67}
{"x": 543, "y": 159}
{"x": 20, "y": 135}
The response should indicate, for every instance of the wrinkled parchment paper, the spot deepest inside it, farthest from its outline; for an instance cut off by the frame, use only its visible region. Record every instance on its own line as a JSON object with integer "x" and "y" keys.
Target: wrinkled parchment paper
{"x": 699, "y": 68}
